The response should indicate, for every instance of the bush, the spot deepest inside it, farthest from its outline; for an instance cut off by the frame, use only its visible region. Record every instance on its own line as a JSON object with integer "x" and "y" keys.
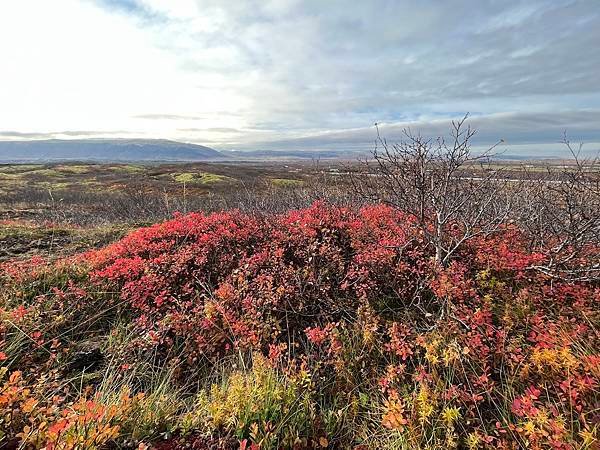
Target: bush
{"x": 330, "y": 326}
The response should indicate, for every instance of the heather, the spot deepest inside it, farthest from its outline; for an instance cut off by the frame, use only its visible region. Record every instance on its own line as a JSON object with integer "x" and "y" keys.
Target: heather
{"x": 323, "y": 327}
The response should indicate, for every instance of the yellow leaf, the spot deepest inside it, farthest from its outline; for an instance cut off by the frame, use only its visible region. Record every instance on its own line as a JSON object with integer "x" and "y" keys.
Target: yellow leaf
{"x": 29, "y": 405}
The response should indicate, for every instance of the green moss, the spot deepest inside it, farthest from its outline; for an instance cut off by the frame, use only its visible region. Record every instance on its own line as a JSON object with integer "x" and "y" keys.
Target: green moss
{"x": 19, "y": 168}
{"x": 185, "y": 177}
{"x": 286, "y": 182}
{"x": 200, "y": 178}
{"x": 127, "y": 168}
{"x": 208, "y": 178}
{"x": 10, "y": 176}
{"x": 54, "y": 186}
{"x": 46, "y": 173}
{"x": 74, "y": 168}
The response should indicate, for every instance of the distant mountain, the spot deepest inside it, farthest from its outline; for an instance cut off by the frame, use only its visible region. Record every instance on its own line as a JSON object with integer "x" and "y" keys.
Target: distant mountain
{"x": 105, "y": 150}
{"x": 293, "y": 154}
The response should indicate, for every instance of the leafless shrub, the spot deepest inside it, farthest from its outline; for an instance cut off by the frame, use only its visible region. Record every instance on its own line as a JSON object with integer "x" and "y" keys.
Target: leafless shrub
{"x": 141, "y": 203}
{"x": 452, "y": 194}
{"x": 563, "y": 217}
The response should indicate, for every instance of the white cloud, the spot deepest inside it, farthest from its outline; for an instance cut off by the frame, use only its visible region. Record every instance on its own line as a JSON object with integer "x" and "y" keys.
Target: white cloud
{"x": 283, "y": 69}
{"x": 72, "y": 65}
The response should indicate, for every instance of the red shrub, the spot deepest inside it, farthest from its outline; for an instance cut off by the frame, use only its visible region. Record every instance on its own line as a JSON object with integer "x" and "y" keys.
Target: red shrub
{"x": 485, "y": 332}
{"x": 228, "y": 279}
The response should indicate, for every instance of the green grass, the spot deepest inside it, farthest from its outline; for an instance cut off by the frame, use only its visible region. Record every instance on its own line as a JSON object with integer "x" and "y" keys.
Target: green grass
{"x": 10, "y": 176}
{"x": 8, "y": 186}
{"x": 286, "y": 182}
{"x": 74, "y": 168}
{"x": 14, "y": 176}
{"x": 19, "y": 168}
{"x": 127, "y": 168}
{"x": 200, "y": 178}
{"x": 46, "y": 173}
{"x": 23, "y": 239}
{"x": 59, "y": 186}
{"x": 20, "y": 232}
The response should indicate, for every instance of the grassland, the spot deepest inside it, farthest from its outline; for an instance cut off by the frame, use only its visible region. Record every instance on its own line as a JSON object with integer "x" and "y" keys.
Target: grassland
{"x": 55, "y": 209}
{"x": 201, "y": 178}
{"x": 218, "y": 306}
{"x": 78, "y": 196}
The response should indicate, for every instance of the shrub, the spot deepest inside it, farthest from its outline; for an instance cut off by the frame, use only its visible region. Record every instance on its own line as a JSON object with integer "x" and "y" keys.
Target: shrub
{"x": 357, "y": 336}
{"x": 259, "y": 404}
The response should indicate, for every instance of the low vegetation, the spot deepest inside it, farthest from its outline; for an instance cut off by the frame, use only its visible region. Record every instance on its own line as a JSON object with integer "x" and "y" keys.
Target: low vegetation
{"x": 200, "y": 178}
{"x": 322, "y": 327}
{"x": 436, "y": 301}
{"x": 286, "y": 182}
{"x": 98, "y": 195}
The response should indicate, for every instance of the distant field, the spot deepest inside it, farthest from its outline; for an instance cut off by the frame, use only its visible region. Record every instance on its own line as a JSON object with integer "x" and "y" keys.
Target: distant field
{"x": 20, "y": 180}
{"x": 57, "y": 209}
{"x": 199, "y": 177}
{"x": 66, "y": 207}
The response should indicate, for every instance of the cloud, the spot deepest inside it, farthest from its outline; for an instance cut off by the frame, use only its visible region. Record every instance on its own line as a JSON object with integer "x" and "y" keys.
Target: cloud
{"x": 86, "y": 133}
{"x": 211, "y": 130}
{"x": 22, "y": 135}
{"x": 167, "y": 117}
{"x": 512, "y": 128}
{"x": 280, "y": 70}
{"x": 127, "y": 6}
{"x": 18, "y": 135}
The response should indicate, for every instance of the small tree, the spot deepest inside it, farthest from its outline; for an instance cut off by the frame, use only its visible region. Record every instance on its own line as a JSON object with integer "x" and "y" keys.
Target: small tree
{"x": 453, "y": 194}
{"x": 562, "y": 216}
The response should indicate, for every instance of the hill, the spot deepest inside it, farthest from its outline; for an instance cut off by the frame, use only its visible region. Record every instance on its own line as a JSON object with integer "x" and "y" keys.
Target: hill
{"x": 105, "y": 150}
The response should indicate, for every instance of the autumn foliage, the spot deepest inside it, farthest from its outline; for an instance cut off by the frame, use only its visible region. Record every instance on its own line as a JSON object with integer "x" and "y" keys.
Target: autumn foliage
{"x": 359, "y": 337}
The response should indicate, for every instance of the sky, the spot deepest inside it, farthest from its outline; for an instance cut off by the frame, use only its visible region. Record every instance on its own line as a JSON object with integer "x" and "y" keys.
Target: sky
{"x": 313, "y": 74}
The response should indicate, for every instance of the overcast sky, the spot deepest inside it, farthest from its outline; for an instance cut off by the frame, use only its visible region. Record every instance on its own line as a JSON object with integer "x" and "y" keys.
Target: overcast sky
{"x": 302, "y": 74}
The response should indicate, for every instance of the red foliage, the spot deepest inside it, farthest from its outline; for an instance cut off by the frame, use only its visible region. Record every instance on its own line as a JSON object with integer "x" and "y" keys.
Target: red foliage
{"x": 231, "y": 280}
{"x": 222, "y": 282}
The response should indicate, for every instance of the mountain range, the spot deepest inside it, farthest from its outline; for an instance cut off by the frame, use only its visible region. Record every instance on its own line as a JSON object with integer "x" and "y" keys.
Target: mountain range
{"x": 105, "y": 150}
{"x": 163, "y": 150}
{"x": 131, "y": 150}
